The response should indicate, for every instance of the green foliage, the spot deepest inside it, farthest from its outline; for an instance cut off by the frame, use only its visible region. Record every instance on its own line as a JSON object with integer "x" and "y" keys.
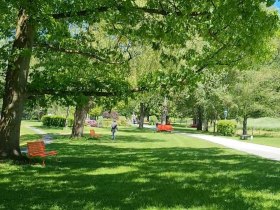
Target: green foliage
{"x": 122, "y": 121}
{"x": 226, "y": 127}
{"x": 53, "y": 121}
{"x": 106, "y": 123}
{"x": 100, "y": 121}
{"x": 153, "y": 120}
{"x": 96, "y": 111}
{"x": 70, "y": 122}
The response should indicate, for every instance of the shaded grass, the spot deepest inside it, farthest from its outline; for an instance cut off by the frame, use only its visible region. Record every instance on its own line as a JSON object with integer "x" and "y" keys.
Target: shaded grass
{"x": 142, "y": 170}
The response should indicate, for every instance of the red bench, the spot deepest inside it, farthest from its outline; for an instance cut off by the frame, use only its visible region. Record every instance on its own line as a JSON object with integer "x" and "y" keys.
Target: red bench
{"x": 38, "y": 149}
{"x": 164, "y": 128}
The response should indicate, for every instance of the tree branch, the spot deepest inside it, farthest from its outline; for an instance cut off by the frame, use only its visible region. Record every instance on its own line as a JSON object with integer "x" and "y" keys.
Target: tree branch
{"x": 74, "y": 92}
{"x": 91, "y": 55}
{"x": 102, "y": 9}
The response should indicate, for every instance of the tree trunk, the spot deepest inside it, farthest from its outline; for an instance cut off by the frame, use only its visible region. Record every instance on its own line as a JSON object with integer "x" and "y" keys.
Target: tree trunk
{"x": 244, "y": 132}
{"x": 194, "y": 121}
{"x": 15, "y": 88}
{"x": 164, "y": 116}
{"x": 205, "y": 127}
{"x": 79, "y": 119}
{"x": 142, "y": 115}
{"x": 66, "y": 118}
{"x": 200, "y": 118}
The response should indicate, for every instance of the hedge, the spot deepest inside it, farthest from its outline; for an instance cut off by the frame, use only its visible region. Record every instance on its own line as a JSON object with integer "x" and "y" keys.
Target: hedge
{"x": 53, "y": 121}
{"x": 226, "y": 127}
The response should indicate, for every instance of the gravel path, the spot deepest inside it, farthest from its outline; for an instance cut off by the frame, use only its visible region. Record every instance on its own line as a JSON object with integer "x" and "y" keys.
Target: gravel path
{"x": 46, "y": 137}
{"x": 268, "y": 152}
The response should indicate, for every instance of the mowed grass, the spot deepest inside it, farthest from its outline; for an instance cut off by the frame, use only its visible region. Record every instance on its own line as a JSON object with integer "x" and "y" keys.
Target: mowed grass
{"x": 266, "y": 131}
{"x": 141, "y": 170}
{"x": 264, "y": 123}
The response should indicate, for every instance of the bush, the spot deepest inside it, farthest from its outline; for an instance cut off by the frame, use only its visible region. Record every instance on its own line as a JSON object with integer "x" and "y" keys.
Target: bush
{"x": 54, "y": 121}
{"x": 122, "y": 121}
{"x": 153, "y": 120}
{"x": 226, "y": 127}
{"x": 106, "y": 123}
{"x": 100, "y": 121}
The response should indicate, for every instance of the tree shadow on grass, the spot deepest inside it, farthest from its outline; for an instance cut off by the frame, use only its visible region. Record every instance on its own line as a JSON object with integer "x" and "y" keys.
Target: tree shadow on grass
{"x": 96, "y": 176}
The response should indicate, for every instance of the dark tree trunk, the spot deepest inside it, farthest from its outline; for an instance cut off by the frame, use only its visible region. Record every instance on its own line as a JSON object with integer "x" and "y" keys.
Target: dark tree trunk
{"x": 142, "y": 115}
{"x": 148, "y": 114}
{"x": 194, "y": 120}
{"x": 199, "y": 118}
{"x": 15, "y": 88}
{"x": 79, "y": 119}
{"x": 244, "y": 129}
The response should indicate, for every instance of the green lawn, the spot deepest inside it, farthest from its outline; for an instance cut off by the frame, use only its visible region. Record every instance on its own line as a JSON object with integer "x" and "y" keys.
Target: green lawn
{"x": 263, "y": 140}
{"x": 266, "y": 131}
{"x": 142, "y": 170}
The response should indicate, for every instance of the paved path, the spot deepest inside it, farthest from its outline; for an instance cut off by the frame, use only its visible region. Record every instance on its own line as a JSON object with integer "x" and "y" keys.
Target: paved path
{"x": 46, "y": 137}
{"x": 268, "y": 152}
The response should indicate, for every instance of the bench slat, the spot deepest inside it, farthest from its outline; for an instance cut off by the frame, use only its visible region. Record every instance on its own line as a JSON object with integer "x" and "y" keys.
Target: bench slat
{"x": 38, "y": 149}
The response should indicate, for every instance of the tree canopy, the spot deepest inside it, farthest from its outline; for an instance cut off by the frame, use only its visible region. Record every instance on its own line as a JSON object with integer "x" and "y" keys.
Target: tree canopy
{"x": 194, "y": 35}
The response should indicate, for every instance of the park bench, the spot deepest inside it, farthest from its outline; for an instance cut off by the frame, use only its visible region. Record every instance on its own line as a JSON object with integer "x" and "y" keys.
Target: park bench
{"x": 168, "y": 128}
{"x": 38, "y": 149}
{"x": 245, "y": 137}
{"x": 93, "y": 134}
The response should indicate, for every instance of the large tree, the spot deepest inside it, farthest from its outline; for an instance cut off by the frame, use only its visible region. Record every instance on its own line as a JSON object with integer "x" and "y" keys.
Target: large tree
{"x": 229, "y": 30}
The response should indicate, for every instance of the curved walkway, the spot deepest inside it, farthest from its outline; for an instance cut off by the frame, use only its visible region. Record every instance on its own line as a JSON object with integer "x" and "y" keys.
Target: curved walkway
{"x": 268, "y": 152}
{"x": 45, "y": 137}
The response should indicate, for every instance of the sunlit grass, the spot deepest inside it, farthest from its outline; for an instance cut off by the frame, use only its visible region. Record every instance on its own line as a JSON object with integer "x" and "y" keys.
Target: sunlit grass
{"x": 141, "y": 170}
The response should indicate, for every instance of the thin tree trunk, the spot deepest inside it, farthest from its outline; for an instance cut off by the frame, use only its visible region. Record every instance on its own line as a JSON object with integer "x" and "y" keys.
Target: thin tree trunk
{"x": 142, "y": 115}
{"x": 244, "y": 132}
{"x": 15, "y": 88}
{"x": 147, "y": 110}
{"x": 205, "y": 127}
{"x": 79, "y": 119}
{"x": 164, "y": 116}
{"x": 67, "y": 115}
{"x": 200, "y": 118}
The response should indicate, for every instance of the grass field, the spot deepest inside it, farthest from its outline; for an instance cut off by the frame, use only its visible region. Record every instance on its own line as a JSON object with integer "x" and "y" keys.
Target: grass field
{"x": 266, "y": 131}
{"x": 141, "y": 170}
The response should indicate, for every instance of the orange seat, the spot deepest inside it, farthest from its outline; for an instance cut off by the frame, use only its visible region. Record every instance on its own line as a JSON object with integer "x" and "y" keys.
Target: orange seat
{"x": 93, "y": 134}
{"x": 164, "y": 128}
{"x": 38, "y": 149}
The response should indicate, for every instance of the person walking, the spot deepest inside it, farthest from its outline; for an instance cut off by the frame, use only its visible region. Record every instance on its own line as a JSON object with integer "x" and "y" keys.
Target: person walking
{"x": 114, "y": 128}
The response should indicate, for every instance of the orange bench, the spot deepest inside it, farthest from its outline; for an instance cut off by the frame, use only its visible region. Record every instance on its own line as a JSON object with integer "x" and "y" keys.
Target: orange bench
{"x": 38, "y": 149}
{"x": 93, "y": 134}
{"x": 164, "y": 128}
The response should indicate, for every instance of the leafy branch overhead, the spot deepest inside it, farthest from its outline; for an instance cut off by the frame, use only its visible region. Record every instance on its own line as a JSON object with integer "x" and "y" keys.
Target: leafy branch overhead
{"x": 82, "y": 44}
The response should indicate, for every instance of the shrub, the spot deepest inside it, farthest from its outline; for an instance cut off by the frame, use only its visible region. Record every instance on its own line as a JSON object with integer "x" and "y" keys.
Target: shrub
{"x": 106, "y": 123}
{"x": 100, "y": 121}
{"x": 46, "y": 120}
{"x": 226, "y": 127}
{"x": 106, "y": 115}
{"x": 153, "y": 120}
{"x": 55, "y": 121}
{"x": 122, "y": 121}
